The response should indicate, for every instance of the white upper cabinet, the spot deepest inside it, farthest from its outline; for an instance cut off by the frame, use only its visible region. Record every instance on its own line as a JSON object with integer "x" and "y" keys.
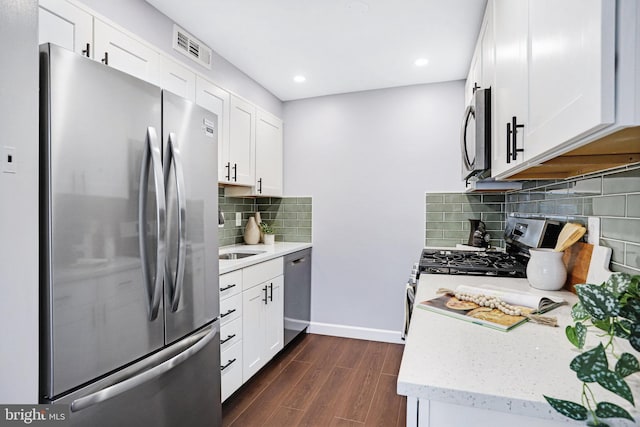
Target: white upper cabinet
{"x": 509, "y": 95}
{"x": 65, "y": 25}
{"x": 242, "y": 142}
{"x": 177, "y": 78}
{"x": 217, "y": 101}
{"x": 571, "y": 70}
{"x": 269, "y": 155}
{"x": 118, "y": 50}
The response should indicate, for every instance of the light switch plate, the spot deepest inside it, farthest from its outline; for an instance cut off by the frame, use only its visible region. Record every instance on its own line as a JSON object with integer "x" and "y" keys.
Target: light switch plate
{"x": 9, "y": 163}
{"x": 238, "y": 219}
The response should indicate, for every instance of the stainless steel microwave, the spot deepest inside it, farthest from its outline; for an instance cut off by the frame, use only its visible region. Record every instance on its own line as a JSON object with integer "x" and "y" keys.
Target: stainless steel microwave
{"x": 475, "y": 136}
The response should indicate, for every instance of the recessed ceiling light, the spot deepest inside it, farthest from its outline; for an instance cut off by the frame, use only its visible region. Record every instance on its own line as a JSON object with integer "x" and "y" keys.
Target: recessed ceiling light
{"x": 299, "y": 79}
{"x": 421, "y": 62}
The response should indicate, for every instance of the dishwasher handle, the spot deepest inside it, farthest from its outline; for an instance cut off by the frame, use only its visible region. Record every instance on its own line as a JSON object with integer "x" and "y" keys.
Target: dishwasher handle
{"x": 299, "y": 260}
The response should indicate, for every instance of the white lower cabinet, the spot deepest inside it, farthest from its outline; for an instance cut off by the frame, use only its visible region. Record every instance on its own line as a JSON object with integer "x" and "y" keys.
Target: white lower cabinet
{"x": 230, "y": 370}
{"x": 230, "y": 332}
{"x": 262, "y": 326}
{"x": 251, "y": 321}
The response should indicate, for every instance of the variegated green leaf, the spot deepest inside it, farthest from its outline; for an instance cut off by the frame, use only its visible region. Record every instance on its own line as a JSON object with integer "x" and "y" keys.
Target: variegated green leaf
{"x": 569, "y": 409}
{"x": 609, "y": 410}
{"x": 627, "y": 365}
{"x": 631, "y": 310}
{"x": 590, "y": 364}
{"x": 615, "y": 384}
{"x": 618, "y": 283}
{"x": 622, "y": 328}
{"x": 605, "y": 325}
{"x": 598, "y": 301}
{"x": 578, "y": 312}
{"x": 634, "y": 337}
{"x": 576, "y": 334}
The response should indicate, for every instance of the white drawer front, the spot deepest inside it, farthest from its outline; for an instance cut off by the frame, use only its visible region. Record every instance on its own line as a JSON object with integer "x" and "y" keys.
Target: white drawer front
{"x": 231, "y": 369}
{"x": 230, "y": 309}
{"x": 230, "y": 333}
{"x": 262, "y": 272}
{"x": 230, "y": 284}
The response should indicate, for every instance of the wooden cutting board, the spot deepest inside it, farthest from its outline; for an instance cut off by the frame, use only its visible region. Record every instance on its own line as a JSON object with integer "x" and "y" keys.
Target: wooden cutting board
{"x": 586, "y": 263}
{"x": 577, "y": 259}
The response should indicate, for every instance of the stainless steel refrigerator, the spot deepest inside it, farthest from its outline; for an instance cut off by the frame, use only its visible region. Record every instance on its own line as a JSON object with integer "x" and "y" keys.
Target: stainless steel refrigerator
{"x": 129, "y": 260}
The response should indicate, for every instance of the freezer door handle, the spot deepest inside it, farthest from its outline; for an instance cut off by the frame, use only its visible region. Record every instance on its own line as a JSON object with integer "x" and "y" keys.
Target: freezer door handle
{"x": 151, "y": 157}
{"x": 175, "y": 283}
{"x": 201, "y": 340}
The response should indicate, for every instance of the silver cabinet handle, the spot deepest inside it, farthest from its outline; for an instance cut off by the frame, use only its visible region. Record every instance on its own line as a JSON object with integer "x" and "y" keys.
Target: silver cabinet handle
{"x": 137, "y": 380}
{"x": 151, "y": 156}
{"x": 175, "y": 283}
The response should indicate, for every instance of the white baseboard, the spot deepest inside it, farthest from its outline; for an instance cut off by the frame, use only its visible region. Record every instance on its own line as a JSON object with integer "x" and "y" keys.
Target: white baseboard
{"x": 382, "y": 335}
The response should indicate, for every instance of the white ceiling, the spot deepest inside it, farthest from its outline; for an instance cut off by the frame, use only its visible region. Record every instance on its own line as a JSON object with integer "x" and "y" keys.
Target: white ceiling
{"x": 338, "y": 45}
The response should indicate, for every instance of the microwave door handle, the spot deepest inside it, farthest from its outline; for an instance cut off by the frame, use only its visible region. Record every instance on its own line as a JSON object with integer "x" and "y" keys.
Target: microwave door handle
{"x": 151, "y": 157}
{"x": 468, "y": 113}
{"x": 174, "y": 157}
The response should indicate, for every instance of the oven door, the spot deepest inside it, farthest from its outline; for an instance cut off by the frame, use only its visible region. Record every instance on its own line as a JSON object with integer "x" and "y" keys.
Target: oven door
{"x": 475, "y": 135}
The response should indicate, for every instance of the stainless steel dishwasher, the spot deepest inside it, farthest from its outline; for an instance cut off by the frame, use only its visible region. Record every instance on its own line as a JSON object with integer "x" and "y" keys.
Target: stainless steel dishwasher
{"x": 297, "y": 293}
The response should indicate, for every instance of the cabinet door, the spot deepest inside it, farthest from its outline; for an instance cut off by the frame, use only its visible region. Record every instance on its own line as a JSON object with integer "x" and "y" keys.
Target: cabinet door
{"x": 65, "y": 25}
{"x": 124, "y": 53}
{"x": 510, "y": 93}
{"x": 487, "y": 47}
{"x": 268, "y": 155}
{"x": 254, "y": 301}
{"x": 571, "y": 70}
{"x": 242, "y": 141}
{"x": 216, "y": 100}
{"x": 274, "y": 332}
{"x": 177, "y": 79}
{"x": 473, "y": 78}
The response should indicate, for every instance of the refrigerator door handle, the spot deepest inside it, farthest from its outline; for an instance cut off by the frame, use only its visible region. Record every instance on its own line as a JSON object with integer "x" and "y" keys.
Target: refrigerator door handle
{"x": 152, "y": 156}
{"x": 203, "y": 338}
{"x": 176, "y": 283}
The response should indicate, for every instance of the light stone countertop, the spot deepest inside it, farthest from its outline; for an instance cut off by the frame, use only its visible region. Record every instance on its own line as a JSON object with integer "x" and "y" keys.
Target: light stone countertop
{"x": 276, "y": 250}
{"x": 457, "y": 362}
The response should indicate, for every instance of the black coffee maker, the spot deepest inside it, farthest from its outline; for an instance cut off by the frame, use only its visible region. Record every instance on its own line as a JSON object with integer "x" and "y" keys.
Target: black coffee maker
{"x": 478, "y": 236}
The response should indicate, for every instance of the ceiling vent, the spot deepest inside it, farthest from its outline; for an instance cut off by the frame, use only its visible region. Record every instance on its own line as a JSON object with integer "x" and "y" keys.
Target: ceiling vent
{"x": 189, "y": 46}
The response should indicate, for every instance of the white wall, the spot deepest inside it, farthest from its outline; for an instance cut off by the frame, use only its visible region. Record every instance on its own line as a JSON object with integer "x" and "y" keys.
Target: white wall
{"x": 367, "y": 160}
{"x": 19, "y": 203}
{"x": 156, "y": 28}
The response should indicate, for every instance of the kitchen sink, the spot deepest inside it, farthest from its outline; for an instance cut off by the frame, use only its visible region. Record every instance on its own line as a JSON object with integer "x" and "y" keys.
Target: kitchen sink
{"x": 238, "y": 255}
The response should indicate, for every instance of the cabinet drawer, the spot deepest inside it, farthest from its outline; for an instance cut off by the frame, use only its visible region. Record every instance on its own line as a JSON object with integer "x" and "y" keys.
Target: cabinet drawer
{"x": 230, "y": 333}
{"x": 230, "y": 284}
{"x": 231, "y": 370}
{"x": 262, "y": 272}
{"x": 230, "y": 309}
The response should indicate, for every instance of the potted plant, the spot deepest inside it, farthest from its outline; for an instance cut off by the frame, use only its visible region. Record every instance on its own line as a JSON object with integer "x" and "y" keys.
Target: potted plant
{"x": 269, "y": 233}
{"x": 612, "y": 312}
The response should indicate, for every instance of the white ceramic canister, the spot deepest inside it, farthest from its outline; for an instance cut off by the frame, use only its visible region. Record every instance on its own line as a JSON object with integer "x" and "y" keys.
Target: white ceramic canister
{"x": 546, "y": 270}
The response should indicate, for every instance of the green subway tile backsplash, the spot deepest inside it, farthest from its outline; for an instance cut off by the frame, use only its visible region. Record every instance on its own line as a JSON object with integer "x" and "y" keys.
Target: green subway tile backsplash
{"x": 448, "y": 214}
{"x": 613, "y": 196}
{"x": 291, "y": 217}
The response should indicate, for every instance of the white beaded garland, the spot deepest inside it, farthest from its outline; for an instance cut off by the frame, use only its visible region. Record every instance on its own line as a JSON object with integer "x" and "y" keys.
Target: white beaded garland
{"x": 491, "y": 302}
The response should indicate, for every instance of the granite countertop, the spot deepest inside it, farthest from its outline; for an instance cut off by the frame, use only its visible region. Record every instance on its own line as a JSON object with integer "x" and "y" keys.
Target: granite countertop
{"x": 268, "y": 252}
{"x": 457, "y": 362}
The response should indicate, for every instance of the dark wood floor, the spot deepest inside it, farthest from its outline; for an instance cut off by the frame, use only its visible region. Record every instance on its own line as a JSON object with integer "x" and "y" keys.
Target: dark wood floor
{"x": 323, "y": 381}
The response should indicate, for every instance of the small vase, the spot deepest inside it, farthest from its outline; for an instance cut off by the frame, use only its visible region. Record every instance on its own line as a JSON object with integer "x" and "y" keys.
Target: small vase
{"x": 269, "y": 239}
{"x": 251, "y": 232}
{"x": 546, "y": 270}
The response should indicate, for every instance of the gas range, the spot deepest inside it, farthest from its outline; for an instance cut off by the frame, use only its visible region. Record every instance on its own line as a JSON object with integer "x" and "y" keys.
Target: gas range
{"x": 489, "y": 263}
{"x": 520, "y": 235}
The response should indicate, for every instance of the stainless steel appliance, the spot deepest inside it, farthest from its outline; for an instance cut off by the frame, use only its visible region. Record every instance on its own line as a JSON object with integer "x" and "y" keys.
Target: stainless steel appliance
{"x": 520, "y": 235}
{"x": 297, "y": 293}
{"x": 475, "y": 136}
{"x": 129, "y": 255}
